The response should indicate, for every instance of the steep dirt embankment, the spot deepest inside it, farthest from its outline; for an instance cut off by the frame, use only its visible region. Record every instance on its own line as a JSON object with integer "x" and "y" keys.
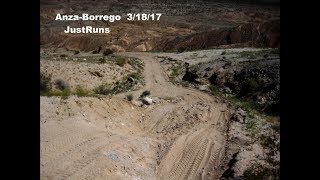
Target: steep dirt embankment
{"x": 252, "y": 75}
{"x": 179, "y": 137}
{"x": 248, "y": 35}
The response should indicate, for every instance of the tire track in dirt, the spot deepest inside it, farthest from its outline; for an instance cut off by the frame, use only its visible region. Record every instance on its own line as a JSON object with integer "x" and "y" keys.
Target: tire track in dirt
{"x": 189, "y": 161}
{"x": 190, "y": 158}
{"x": 84, "y": 144}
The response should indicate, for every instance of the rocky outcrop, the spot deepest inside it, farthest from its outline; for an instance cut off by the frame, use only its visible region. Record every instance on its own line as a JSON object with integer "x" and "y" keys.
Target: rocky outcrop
{"x": 252, "y": 80}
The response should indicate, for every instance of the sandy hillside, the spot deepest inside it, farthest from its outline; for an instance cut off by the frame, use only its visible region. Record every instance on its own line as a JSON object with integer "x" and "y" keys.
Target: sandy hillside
{"x": 185, "y": 134}
{"x": 85, "y": 74}
{"x": 110, "y": 138}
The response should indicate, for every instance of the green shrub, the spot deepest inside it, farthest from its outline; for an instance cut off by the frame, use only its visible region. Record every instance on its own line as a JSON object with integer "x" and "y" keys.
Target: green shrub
{"x": 61, "y": 84}
{"x": 215, "y": 90}
{"x": 181, "y": 49}
{"x": 251, "y": 85}
{"x": 80, "y": 92}
{"x": 104, "y": 89}
{"x": 136, "y": 75}
{"x": 120, "y": 86}
{"x": 63, "y": 93}
{"x": 102, "y": 60}
{"x": 107, "y": 52}
{"x": 175, "y": 71}
{"x": 129, "y": 97}
{"x": 145, "y": 93}
{"x": 121, "y": 61}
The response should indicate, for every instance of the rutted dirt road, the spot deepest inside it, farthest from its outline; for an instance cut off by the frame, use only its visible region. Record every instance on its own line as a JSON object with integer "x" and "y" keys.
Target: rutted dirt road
{"x": 182, "y": 136}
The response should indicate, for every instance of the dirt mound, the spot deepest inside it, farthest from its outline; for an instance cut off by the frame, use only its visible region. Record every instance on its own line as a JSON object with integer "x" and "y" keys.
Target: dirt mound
{"x": 85, "y": 74}
{"x": 249, "y": 35}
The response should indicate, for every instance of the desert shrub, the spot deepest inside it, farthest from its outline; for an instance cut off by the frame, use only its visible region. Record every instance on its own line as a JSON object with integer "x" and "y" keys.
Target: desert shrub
{"x": 260, "y": 173}
{"x": 214, "y": 90}
{"x": 107, "y": 52}
{"x": 63, "y": 93}
{"x": 61, "y": 85}
{"x": 102, "y": 60}
{"x": 249, "y": 86}
{"x": 195, "y": 67}
{"x": 251, "y": 124}
{"x": 45, "y": 83}
{"x": 80, "y": 92}
{"x": 123, "y": 85}
{"x": 145, "y": 93}
{"x": 104, "y": 89}
{"x": 136, "y": 63}
{"x": 76, "y": 52}
{"x": 223, "y": 53}
{"x": 96, "y": 51}
{"x": 175, "y": 71}
{"x": 129, "y": 97}
{"x": 136, "y": 75}
{"x": 181, "y": 49}
{"x": 268, "y": 142}
{"x": 190, "y": 76}
{"x": 64, "y": 55}
{"x": 108, "y": 89}
{"x": 252, "y": 84}
{"x": 254, "y": 54}
{"x": 121, "y": 61}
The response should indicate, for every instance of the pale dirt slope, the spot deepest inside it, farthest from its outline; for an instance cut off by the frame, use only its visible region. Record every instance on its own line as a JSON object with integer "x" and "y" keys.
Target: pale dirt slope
{"x": 182, "y": 136}
{"x": 82, "y": 74}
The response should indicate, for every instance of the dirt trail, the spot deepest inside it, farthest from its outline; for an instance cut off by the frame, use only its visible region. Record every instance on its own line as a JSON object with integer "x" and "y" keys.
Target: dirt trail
{"x": 193, "y": 154}
{"x": 110, "y": 138}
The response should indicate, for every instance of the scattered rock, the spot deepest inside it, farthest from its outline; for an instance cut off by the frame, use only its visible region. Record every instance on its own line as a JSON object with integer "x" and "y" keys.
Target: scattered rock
{"x": 239, "y": 116}
{"x": 227, "y": 90}
{"x": 147, "y": 100}
{"x": 130, "y": 80}
{"x": 112, "y": 156}
{"x": 241, "y": 112}
{"x": 203, "y": 88}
